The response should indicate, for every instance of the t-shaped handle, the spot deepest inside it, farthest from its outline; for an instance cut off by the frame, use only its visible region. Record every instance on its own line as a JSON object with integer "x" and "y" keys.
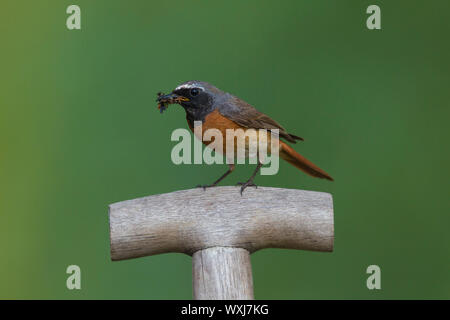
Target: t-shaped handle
{"x": 219, "y": 228}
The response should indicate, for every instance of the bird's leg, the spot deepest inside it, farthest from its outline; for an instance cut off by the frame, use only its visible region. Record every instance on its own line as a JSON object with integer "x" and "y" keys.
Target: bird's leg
{"x": 230, "y": 169}
{"x": 249, "y": 182}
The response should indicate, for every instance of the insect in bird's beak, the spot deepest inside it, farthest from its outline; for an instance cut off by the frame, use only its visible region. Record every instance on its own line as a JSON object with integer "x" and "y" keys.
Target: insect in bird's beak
{"x": 165, "y": 99}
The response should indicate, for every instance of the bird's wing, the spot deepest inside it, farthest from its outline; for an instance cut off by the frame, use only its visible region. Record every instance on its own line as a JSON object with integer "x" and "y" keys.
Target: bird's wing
{"x": 247, "y": 116}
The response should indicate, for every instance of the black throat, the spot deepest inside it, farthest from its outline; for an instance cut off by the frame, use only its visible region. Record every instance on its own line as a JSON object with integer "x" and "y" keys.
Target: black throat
{"x": 196, "y": 113}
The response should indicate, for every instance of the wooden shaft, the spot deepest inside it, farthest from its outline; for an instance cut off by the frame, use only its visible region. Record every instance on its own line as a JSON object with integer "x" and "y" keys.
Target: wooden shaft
{"x": 222, "y": 273}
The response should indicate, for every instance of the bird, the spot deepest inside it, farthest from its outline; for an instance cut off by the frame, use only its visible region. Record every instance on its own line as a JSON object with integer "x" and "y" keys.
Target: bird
{"x": 217, "y": 109}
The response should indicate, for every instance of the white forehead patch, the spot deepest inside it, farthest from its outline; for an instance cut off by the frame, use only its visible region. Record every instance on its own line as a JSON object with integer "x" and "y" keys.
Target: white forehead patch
{"x": 189, "y": 86}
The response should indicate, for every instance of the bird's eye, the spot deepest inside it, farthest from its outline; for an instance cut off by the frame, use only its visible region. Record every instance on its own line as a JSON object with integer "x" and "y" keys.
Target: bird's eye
{"x": 194, "y": 92}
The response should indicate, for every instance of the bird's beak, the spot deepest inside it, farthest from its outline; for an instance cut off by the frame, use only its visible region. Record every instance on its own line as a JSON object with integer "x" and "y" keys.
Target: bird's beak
{"x": 171, "y": 98}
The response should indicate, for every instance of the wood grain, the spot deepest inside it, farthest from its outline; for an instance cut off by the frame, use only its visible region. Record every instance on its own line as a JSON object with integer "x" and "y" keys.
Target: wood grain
{"x": 191, "y": 220}
{"x": 222, "y": 273}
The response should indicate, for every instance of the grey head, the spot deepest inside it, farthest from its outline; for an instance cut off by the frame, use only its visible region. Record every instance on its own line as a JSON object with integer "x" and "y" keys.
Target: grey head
{"x": 198, "y": 98}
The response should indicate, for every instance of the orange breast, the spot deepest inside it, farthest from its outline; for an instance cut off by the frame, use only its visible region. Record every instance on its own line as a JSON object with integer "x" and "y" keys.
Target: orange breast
{"x": 215, "y": 120}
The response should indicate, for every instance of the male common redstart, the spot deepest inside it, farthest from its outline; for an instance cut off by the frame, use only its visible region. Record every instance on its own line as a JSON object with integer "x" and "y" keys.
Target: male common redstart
{"x": 220, "y": 110}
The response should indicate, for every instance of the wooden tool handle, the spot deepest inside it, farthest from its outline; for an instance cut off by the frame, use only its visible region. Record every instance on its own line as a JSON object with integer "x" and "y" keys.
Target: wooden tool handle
{"x": 191, "y": 220}
{"x": 220, "y": 228}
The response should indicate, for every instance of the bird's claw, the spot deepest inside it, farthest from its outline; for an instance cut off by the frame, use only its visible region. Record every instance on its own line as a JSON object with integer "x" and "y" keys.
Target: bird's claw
{"x": 245, "y": 185}
{"x": 205, "y": 186}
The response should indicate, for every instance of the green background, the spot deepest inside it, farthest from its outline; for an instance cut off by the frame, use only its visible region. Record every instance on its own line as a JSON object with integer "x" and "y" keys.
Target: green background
{"x": 79, "y": 129}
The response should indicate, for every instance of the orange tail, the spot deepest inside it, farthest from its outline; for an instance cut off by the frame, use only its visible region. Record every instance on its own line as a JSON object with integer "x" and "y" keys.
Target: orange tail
{"x": 300, "y": 162}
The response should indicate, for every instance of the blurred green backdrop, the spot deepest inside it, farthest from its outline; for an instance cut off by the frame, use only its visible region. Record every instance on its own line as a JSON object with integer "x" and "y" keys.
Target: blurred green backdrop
{"x": 80, "y": 130}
